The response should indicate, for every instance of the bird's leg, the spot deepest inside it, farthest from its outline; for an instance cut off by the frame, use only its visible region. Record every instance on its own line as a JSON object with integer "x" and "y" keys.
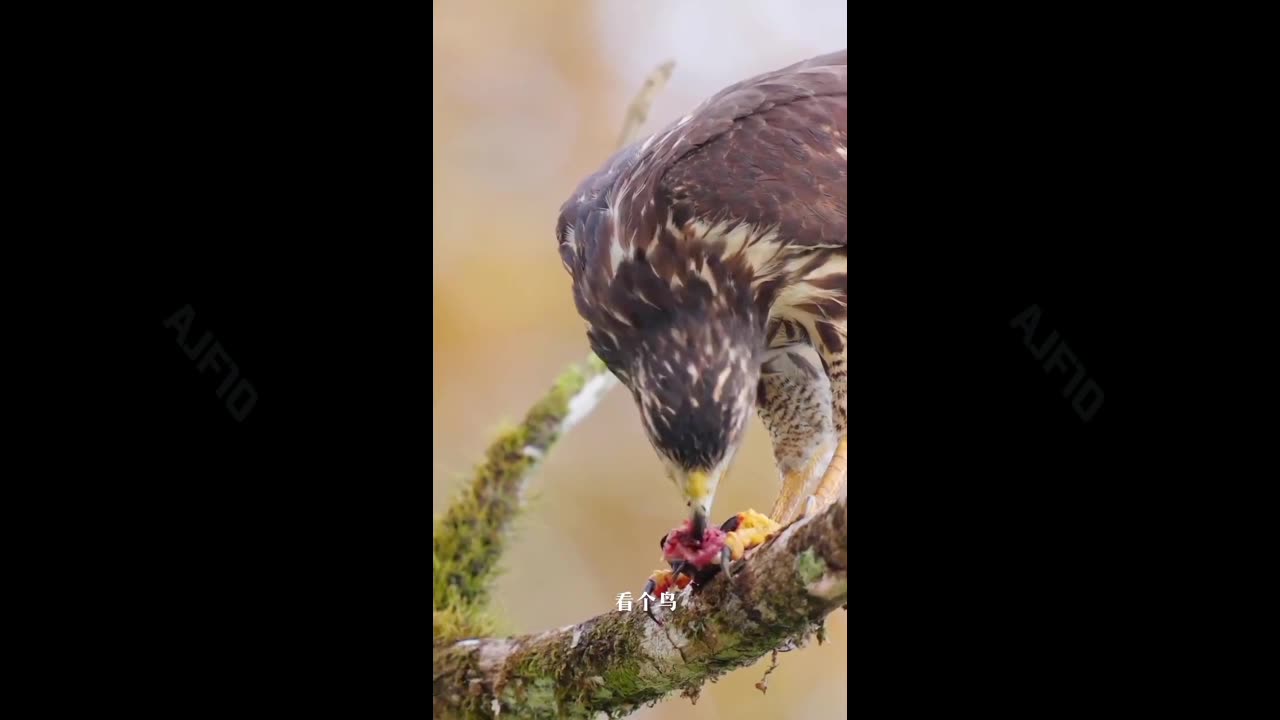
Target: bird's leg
{"x": 832, "y": 481}
{"x": 789, "y": 503}
{"x": 834, "y": 354}
{"x": 792, "y": 486}
{"x": 794, "y": 402}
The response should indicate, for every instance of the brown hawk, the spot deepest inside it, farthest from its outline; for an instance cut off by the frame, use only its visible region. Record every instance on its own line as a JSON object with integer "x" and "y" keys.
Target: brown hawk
{"x": 710, "y": 262}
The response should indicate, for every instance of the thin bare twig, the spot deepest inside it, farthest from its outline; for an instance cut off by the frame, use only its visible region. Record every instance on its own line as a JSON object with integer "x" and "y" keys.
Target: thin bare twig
{"x": 763, "y": 685}
{"x": 638, "y": 110}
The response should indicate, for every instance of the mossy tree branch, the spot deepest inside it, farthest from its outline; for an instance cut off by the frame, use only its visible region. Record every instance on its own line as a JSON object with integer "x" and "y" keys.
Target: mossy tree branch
{"x": 468, "y": 540}
{"x": 617, "y": 661}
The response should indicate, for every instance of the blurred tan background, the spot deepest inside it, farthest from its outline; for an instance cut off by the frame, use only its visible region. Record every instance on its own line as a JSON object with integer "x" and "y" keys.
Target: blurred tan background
{"x": 528, "y": 98}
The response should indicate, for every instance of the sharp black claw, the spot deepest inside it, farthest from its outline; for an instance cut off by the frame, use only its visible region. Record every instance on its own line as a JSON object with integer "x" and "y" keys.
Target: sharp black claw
{"x": 652, "y": 617}
{"x": 649, "y": 587}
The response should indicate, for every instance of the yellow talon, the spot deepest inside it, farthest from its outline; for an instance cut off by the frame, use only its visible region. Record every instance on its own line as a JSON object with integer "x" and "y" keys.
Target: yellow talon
{"x": 752, "y": 531}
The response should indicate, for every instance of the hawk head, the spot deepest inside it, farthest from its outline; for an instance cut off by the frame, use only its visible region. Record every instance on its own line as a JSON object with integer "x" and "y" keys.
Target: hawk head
{"x": 674, "y": 322}
{"x": 693, "y": 377}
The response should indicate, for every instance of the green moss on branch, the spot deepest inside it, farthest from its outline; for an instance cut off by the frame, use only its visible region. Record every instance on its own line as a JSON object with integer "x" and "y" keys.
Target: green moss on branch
{"x": 469, "y": 538}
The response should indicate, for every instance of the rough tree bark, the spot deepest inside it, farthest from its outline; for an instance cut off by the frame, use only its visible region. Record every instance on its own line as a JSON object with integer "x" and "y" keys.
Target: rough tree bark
{"x": 617, "y": 661}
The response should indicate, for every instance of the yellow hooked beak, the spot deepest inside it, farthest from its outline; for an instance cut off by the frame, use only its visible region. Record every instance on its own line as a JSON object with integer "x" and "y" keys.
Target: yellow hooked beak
{"x": 697, "y": 491}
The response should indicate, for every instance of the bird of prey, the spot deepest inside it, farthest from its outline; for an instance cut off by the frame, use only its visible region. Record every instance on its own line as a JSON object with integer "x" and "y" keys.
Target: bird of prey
{"x": 710, "y": 263}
